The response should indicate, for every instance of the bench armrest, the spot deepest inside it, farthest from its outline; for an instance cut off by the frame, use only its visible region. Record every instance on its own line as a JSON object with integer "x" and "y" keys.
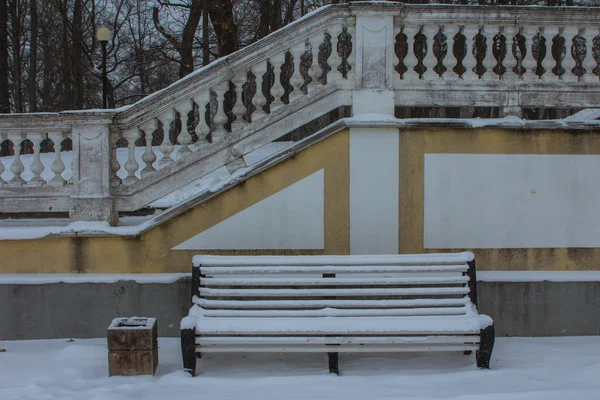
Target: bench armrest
{"x": 188, "y": 323}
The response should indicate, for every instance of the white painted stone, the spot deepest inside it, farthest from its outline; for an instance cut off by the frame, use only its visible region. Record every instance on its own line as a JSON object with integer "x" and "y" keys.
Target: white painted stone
{"x": 375, "y": 34}
{"x": 292, "y": 218}
{"x": 373, "y": 102}
{"x": 374, "y": 156}
{"x": 511, "y": 201}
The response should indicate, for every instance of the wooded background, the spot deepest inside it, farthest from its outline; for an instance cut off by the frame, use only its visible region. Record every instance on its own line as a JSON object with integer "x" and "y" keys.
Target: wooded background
{"x": 50, "y": 59}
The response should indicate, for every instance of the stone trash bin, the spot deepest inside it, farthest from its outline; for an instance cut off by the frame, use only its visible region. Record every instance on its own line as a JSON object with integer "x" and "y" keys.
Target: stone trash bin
{"x": 132, "y": 346}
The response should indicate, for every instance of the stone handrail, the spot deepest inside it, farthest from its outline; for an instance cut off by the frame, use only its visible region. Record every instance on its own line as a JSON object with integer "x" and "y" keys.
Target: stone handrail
{"x": 386, "y": 55}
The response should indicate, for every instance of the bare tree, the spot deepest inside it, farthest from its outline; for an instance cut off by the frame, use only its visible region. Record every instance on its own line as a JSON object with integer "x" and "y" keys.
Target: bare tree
{"x": 4, "y": 88}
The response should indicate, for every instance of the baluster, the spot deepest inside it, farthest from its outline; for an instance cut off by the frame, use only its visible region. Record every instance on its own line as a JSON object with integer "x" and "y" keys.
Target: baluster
{"x": 489, "y": 62}
{"x": 589, "y": 62}
{"x": 469, "y": 62}
{"x": 297, "y": 81}
{"x": 202, "y": 129}
{"x": 529, "y": 62}
{"x": 430, "y": 61}
{"x": 36, "y": 166}
{"x": 449, "y": 60}
{"x": 315, "y": 71}
{"x": 71, "y": 164}
{"x": 510, "y": 60}
{"x": 115, "y": 166}
{"x": 2, "y": 168}
{"x": 184, "y": 137}
{"x": 220, "y": 118}
{"x": 410, "y": 61}
{"x": 148, "y": 157}
{"x": 277, "y": 90}
{"x": 352, "y": 58}
{"x": 166, "y": 147}
{"x": 57, "y": 166}
{"x": 239, "y": 109}
{"x": 259, "y": 100}
{"x": 131, "y": 166}
{"x": 17, "y": 166}
{"x": 549, "y": 32}
{"x": 569, "y": 62}
{"x": 334, "y": 60}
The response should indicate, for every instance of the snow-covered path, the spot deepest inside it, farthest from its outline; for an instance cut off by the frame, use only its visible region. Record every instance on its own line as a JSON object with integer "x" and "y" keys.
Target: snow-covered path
{"x": 522, "y": 369}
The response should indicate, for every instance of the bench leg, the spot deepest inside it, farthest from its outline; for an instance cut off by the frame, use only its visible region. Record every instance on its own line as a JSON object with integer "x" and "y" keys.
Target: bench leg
{"x": 188, "y": 350}
{"x": 333, "y": 363}
{"x": 486, "y": 345}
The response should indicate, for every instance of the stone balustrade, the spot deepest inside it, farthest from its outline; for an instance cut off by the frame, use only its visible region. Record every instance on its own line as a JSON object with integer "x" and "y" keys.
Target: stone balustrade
{"x": 371, "y": 56}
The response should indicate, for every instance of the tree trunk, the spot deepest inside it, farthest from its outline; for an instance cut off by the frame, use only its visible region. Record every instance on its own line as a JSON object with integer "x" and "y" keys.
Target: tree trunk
{"x": 16, "y": 31}
{"x": 32, "y": 84}
{"x": 67, "y": 83}
{"x": 48, "y": 62}
{"x": 77, "y": 55}
{"x": 187, "y": 39}
{"x": 221, "y": 15}
{"x": 4, "y": 91}
{"x": 205, "y": 38}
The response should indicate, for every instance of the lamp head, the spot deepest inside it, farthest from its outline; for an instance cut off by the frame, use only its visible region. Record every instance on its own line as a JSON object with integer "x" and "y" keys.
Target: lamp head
{"x": 104, "y": 34}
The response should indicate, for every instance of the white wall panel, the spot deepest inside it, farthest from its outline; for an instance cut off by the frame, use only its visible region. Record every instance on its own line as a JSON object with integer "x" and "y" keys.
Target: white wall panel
{"x": 292, "y": 218}
{"x": 511, "y": 201}
{"x": 374, "y": 190}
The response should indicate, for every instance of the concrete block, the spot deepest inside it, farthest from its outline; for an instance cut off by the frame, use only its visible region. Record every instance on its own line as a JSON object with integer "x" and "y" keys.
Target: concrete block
{"x": 132, "y": 346}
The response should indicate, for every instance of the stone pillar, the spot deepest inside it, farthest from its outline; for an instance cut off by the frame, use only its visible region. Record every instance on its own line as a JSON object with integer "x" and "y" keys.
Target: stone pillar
{"x": 374, "y": 65}
{"x": 92, "y": 199}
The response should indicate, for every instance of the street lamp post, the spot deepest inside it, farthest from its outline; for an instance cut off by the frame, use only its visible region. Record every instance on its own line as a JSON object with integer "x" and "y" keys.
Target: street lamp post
{"x": 103, "y": 35}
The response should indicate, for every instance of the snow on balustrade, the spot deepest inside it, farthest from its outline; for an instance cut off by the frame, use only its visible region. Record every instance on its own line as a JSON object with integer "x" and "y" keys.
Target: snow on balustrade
{"x": 247, "y": 96}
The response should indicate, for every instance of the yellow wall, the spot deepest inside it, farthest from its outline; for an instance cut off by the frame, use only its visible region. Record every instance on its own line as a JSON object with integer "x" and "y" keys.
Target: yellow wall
{"x": 151, "y": 252}
{"x": 415, "y": 143}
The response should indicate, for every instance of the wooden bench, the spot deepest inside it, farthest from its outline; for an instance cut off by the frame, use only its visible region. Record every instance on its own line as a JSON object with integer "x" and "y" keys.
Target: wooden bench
{"x": 334, "y": 304}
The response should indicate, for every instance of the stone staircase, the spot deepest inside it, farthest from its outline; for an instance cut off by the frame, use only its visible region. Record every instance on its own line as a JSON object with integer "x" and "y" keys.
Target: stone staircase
{"x": 367, "y": 57}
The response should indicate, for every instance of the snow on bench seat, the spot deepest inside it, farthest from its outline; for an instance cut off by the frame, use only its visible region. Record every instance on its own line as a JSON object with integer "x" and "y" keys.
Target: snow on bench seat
{"x": 352, "y": 292}
{"x": 334, "y": 312}
{"x": 333, "y": 281}
{"x": 343, "y": 325}
{"x": 386, "y": 259}
{"x": 327, "y": 303}
{"x": 332, "y": 269}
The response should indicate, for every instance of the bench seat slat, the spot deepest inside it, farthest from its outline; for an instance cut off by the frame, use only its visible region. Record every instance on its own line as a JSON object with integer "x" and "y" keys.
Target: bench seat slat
{"x": 385, "y": 259}
{"x": 338, "y": 349}
{"x": 334, "y": 312}
{"x": 331, "y": 269}
{"x": 316, "y": 340}
{"x": 354, "y": 292}
{"x": 366, "y": 281}
{"x": 343, "y": 325}
{"x": 305, "y": 304}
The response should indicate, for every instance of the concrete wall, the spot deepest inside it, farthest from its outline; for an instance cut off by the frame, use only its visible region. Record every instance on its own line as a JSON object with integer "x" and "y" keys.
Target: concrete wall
{"x": 82, "y": 310}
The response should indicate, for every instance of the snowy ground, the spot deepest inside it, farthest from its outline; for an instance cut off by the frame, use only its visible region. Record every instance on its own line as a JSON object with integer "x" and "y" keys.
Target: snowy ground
{"x": 522, "y": 369}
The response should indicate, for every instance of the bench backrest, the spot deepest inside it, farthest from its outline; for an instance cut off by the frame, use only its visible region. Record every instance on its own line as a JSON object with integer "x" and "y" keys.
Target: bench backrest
{"x": 255, "y": 286}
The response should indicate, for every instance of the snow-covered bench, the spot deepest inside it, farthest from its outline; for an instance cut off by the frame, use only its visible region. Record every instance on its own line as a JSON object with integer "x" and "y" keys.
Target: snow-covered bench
{"x": 333, "y": 304}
